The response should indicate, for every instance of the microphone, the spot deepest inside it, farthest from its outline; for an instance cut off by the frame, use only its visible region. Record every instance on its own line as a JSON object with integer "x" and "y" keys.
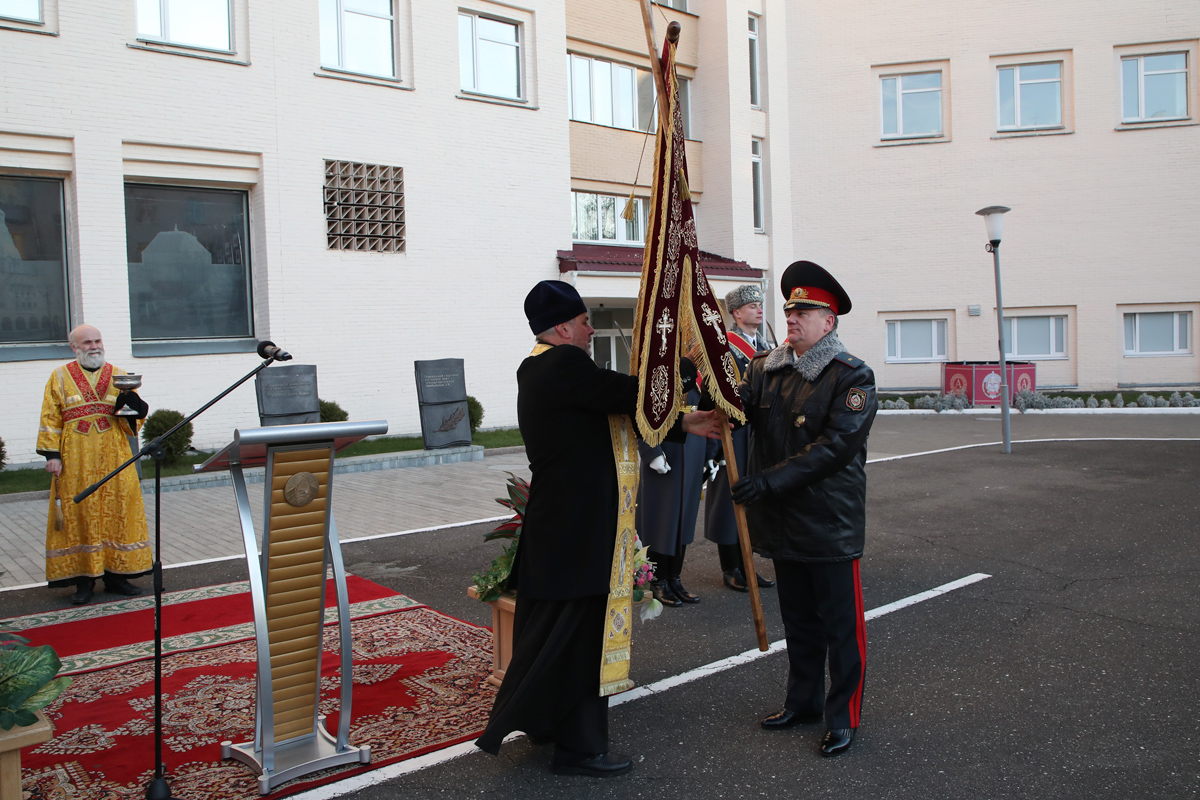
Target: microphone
{"x": 269, "y": 350}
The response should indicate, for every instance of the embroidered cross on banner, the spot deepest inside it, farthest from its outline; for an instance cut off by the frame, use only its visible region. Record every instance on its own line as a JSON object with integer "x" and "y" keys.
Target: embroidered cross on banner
{"x": 664, "y": 327}
{"x": 713, "y": 318}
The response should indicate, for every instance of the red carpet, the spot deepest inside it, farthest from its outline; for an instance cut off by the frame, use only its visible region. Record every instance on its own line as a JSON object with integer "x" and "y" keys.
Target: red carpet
{"x": 419, "y": 686}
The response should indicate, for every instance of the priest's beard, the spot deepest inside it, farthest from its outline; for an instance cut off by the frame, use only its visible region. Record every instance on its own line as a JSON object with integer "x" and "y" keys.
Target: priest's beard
{"x": 93, "y": 359}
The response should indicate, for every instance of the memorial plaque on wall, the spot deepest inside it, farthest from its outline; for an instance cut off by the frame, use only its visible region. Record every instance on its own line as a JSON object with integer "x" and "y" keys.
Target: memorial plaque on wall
{"x": 442, "y": 397}
{"x": 287, "y": 395}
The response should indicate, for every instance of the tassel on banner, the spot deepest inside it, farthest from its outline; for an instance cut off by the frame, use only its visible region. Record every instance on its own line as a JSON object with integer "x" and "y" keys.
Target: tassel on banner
{"x": 630, "y": 212}
{"x": 685, "y": 193}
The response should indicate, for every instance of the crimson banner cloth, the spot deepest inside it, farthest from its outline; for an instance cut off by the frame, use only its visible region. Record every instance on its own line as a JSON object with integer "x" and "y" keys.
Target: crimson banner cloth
{"x": 675, "y": 298}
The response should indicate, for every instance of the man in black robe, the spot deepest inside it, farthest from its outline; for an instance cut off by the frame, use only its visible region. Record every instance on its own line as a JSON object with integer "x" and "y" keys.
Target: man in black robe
{"x": 561, "y": 573}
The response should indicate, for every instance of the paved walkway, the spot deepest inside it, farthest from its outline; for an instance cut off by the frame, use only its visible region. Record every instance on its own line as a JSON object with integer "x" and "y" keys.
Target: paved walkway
{"x": 202, "y": 524}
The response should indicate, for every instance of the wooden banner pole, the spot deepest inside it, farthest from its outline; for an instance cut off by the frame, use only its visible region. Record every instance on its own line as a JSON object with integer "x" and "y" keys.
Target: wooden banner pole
{"x": 739, "y": 514}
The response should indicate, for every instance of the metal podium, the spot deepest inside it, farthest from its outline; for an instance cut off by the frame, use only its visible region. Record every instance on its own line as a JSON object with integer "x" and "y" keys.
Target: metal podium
{"x": 287, "y": 585}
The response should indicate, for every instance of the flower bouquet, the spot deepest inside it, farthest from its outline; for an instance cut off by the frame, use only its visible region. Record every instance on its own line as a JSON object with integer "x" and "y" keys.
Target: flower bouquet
{"x": 643, "y": 576}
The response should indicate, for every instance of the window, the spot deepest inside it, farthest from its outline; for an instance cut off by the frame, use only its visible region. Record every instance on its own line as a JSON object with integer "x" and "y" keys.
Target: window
{"x": 194, "y": 23}
{"x": 756, "y": 176}
{"x": 1158, "y": 333}
{"x": 188, "y": 254}
{"x": 364, "y": 207}
{"x": 23, "y": 10}
{"x": 1035, "y": 337}
{"x": 608, "y": 94}
{"x": 754, "y": 101}
{"x": 610, "y": 345}
{"x": 489, "y": 56}
{"x": 678, "y": 5}
{"x": 597, "y": 218}
{"x": 358, "y": 36}
{"x": 916, "y": 340}
{"x": 33, "y": 282}
{"x": 1154, "y": 87}
{"x": 912, "y": 105}
{"x": 1030, "y": 96}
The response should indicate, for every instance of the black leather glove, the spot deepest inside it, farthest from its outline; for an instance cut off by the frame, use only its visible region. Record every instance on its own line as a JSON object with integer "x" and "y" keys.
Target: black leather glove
{"x": 751, "y": 489}
{"x": 130, "y": 398}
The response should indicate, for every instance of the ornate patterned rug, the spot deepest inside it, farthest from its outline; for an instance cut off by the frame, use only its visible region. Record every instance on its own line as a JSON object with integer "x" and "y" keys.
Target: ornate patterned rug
{"x": 419, "y": 686}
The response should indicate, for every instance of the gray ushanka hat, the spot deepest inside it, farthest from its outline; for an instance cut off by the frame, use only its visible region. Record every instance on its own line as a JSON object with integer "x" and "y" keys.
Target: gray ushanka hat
{"x": 746, "y": 293}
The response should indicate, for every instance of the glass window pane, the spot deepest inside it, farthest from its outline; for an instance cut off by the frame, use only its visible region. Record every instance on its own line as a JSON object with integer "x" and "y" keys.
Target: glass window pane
{"x": 581, "y": 89}
{"x": 328, "y": 16}
{"x": 574, "y": 216}
{"x": 940, "y": 350}
{"x": 1008, "y": 336}
{"x": 204, "y": 23}
{"x": 381, "y": 8}
{"x": 916, "y": 338}
{"x": 499, "y": 68}
{"x": 466, "y": 51}
{"x": 602, "y": 351}
{"x": 1130, "y": 332}
{"x": 1033, "y": 336}
{"x": 1156, "y": 333}
{"x": 1060, "y": 335}
{"x": 1166, "y": 95}
{"x": 588, "y": 222}
{"x": 922, "y": 112}
{"x": 608, "y": 218}
{"x": 1185, "y": 327}
{"x": 188, "y": 271}
{"x": 756, "y": 172}
{"x": 495, "y": 31}
{"x": 1169, "y": 61}
{"x": 1041, "y": 72}
{"x": 633, "y": 226}
{"x": 921, "y": 80}
{"x": 149, "y": 18}
{"x": 891, "y": 340}
{"x": 22, "y": 9}
{"x": 369, "y": 45}
{"x": 624, "y": 104}
{"x": 33, "y": 289}
{"x": 1008, "y": 113}
{"x": 1130, "y": 104}
{"x": 602, "y": 106}
{"x": 889, "y": 107}
{"x": 685, "y": 106}
{"x": 754, "y": 72}
{"x": 646, "y": 119}
{"x": 1041, "y": 104}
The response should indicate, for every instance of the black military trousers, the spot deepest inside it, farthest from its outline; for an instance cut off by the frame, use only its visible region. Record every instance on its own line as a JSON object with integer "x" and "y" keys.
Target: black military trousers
{"x": 822, "y": 609}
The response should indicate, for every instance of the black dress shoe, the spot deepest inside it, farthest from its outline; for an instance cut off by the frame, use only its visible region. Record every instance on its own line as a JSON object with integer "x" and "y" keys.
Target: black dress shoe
{"x": 764, "y": 583}
{"x": 663, "y": 594}
{"x": 83, "y": 593}
{"x": 539, "y": 741}
{"x": 836, "y": 741}
{"x": 787, "y": 719}
{"x": 119, "y": 585}
{"x": 603, "y": 765}
{"x": 680, "y": 592}
{"x": 735, "y": 580}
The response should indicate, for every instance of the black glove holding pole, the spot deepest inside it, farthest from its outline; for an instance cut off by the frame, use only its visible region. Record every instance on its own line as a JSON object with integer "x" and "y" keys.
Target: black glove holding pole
{"x": 130, "y": 399}
{"x": 751, "y": 489}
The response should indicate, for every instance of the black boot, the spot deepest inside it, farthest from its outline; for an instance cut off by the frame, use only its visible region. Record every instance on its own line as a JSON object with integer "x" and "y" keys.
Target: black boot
{"x": 117, "y": 584}
{"x": 735, "y": 580}
{"x": 84, "y": 588}
{"x": 682, "y": 593}
{"x": 663, "y": 594}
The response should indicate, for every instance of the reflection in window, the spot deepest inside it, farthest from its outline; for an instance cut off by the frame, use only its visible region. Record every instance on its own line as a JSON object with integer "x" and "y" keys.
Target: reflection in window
{"x": 598, "y": 218}
{"x": 1158, "y": 333}
{"x": 1154, "y": 87}
{"x": 912, "y": 105}
{"x": 1035, "y": 337}
{"x": 33, "y": 286}
{"x": 916, "y": 340}
{"x": 489, "y": 56}
{"x": 1030, "y": 96}
{"x": 198, "y": 23}
{"x": 24, "y": 10}
{"x": 610, "y": 343}
{"x": 188, "y": 254}
{"x": 356, "y": 35}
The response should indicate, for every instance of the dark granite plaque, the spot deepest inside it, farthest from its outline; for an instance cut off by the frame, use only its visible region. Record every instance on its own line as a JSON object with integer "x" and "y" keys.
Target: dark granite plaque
{"x": 287, "y": 395}
{"x": 442, "y": 397}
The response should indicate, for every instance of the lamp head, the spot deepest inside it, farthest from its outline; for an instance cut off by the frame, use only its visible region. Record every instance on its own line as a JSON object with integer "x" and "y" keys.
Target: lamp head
{"x": 993, "y": 217}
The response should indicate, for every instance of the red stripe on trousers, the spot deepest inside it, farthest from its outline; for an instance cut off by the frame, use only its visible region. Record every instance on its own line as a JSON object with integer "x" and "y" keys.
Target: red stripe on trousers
{"x": 860, "y": 624}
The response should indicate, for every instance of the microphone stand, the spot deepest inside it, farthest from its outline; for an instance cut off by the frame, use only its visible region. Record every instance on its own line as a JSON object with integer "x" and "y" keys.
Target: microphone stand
{"x": 158, "y": 788}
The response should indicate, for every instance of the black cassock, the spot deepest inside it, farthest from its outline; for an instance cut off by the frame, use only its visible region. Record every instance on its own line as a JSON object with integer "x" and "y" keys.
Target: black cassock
{"x": 551, "y": 688}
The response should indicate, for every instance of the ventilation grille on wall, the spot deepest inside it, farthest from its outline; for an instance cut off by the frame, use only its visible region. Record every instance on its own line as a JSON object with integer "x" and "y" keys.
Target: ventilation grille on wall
{"x": 364, "y": 206}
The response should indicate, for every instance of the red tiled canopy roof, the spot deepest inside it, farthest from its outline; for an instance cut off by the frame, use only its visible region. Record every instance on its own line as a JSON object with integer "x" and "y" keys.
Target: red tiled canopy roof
{"x": 617, "y": 259}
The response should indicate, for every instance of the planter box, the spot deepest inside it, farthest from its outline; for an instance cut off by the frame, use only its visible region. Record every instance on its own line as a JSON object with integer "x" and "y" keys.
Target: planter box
{"x": 11, "y": 743}
{"x": 503, "y": 610}
{"x": 979, "y": 381}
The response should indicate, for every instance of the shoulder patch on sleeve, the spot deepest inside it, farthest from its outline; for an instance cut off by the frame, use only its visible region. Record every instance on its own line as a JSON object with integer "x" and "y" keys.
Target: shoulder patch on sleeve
{"x": 856, "y": 399}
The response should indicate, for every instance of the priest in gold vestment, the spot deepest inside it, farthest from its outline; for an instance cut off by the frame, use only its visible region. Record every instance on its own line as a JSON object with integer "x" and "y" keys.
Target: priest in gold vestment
{"x": 83, "y": 440}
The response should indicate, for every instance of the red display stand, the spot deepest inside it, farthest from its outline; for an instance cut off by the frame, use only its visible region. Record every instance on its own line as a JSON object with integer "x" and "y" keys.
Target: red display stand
{"x": 979, "y": 381}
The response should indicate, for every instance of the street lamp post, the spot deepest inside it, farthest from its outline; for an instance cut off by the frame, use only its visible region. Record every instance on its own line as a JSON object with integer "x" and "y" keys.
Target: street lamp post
{"x": 993, "y": 217}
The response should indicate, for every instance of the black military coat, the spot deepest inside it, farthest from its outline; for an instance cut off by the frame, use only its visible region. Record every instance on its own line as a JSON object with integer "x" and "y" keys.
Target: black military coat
{"x": 809, "y": 438}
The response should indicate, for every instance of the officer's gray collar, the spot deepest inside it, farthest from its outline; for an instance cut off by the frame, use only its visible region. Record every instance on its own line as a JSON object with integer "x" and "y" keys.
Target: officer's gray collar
{"x": 812, "y": 363}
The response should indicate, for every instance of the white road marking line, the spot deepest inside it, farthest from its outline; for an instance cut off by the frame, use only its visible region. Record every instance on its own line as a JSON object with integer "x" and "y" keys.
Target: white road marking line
{"x": 358, "y": 782}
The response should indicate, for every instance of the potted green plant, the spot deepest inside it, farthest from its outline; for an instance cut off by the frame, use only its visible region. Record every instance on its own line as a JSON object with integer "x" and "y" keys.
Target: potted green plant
{"x": 27, "y": 685}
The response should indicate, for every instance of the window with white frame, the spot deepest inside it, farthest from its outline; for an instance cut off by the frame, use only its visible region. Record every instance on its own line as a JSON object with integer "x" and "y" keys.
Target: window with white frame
{"x": 1030, "y": 96}
{"x": 604, "y": 92}
{"x": 23, "y": 10}
{"x": 756, "y": 177}
{"x": 754, "y": 98}
{"x": 1154, "y": 87}
{"x": 1158, "y": 333}
{"x": 911, "y": 105}
{"x": 1035, "y": 337}
{"x": 33, "y": 260}
{"x": 916, "y": 340}
{"x": 598, "y": 218}
{"x": 192, "y": 23}
{"x": 489, "y": 52}
{"x": 678, "y": 5}
{"x": 359, "y": 36}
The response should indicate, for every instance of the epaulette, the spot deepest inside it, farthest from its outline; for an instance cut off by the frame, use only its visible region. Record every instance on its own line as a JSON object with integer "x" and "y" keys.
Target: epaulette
{"x": 763, "y": 354}
{"x": 848, "y": 360}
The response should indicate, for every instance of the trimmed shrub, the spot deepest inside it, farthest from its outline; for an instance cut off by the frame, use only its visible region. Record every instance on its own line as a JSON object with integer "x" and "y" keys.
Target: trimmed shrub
{"x": 899, "y": 404}
{"x": 1118, "y": 401}
{"x": 1176, "y": 400}
{"x": 1145, "y": 400}
{"x": 332, "y": 412}
{"x": 159, "y": 423}
{"x": 3, "y": 455}
{"x": 1026, "y": 400}
{"x": 1161, "y": 402}
{"x": 1092, "y": 402}
{"x": 1106, "y": 403}
{"x": 1189, "y": 400}
{"x": 475, "y": 412}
